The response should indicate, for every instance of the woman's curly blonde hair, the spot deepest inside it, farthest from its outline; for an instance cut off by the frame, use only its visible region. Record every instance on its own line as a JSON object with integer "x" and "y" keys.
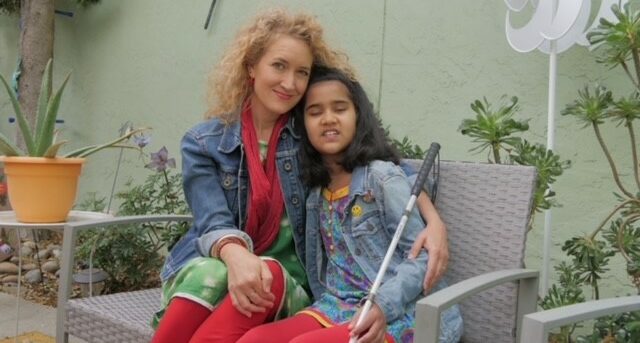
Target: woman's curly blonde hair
{"x": 228, "y": 86}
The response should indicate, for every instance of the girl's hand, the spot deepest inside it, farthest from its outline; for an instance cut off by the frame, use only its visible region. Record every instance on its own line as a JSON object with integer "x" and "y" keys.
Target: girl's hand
{"x": 374, "y": 327}
{"x": 249, "y": 280}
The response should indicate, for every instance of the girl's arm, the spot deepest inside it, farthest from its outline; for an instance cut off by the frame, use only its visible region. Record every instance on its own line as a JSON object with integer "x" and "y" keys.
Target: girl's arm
{"x": 406, "y": 284}
{"x": 434, "y": 239}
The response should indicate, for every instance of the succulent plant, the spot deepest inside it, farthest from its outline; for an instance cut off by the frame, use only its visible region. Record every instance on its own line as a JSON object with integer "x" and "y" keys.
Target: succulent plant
{"x": 41, "y": 141}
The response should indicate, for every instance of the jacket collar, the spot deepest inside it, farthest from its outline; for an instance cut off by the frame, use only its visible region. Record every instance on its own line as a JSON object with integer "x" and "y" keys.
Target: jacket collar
{"x": 359, "y": 186}
{"x": 232, "y": 138}
{"x": 359, "y": 179}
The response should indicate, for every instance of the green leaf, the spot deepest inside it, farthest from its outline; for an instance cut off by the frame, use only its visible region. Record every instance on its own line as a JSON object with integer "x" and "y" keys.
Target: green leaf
{"x": 494, "y": 128}
{"x": 7, "y": 148}
{"x": 84, "y": 152}
{"x": 590, "y": 108}
{"x": 625, "y": 110}
{"x": 43, "y": 98}
{"x": 53, "y": 150}
{"x": 78, "y": 152}
{"x": 561, "y": 296}
{"x": 46, "y": 138}
{"x": 617, "y": 40}
{"x": 88, "y": 150}
{"x": 22, "y": 121}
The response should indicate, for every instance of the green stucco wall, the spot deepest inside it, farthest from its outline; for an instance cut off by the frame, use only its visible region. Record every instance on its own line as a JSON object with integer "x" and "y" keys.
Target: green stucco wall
{"x": 146, "y": 61}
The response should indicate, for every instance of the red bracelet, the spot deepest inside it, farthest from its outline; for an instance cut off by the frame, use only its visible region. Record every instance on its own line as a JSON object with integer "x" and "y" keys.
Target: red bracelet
{"x": 225, "y": 241}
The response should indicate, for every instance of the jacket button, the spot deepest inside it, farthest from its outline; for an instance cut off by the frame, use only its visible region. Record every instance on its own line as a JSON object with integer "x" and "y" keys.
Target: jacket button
{"x": 227, "y": 181}
{"x": 287, "y": 166}
{"x": 283, "y": 135}
{"x": 295, "y": 200}
{"x": 358, "y": 252}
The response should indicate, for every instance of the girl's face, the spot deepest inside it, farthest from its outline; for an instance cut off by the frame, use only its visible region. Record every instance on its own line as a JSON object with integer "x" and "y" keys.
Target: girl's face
{"x": 330, "y": 119}
{"x": 280, "y": 76}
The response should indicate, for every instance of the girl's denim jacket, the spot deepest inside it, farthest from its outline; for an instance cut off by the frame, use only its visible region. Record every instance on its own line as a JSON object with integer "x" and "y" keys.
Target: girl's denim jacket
{"x": 215, "y": 181}
{"x": 378, "y": 196}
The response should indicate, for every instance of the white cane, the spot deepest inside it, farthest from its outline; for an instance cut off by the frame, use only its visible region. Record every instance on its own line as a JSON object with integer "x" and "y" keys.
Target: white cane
{"x": 427, "y": 164}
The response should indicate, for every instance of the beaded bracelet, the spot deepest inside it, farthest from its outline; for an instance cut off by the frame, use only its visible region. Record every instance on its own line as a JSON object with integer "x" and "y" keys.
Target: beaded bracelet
{"x": 217, "y": 248}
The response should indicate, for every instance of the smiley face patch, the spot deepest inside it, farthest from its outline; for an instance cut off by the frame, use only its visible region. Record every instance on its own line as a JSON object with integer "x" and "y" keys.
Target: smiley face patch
{"x": 356, "y": 211}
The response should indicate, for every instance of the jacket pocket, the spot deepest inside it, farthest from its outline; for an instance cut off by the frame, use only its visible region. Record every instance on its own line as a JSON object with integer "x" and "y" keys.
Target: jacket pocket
{"x": 229, "y": 183}
{"x": 367, "y": 226}
{"x": 369, "y": 239}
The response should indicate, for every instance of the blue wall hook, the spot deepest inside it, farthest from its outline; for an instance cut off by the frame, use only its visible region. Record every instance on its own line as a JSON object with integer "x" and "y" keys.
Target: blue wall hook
{"x": 13, "y": 120}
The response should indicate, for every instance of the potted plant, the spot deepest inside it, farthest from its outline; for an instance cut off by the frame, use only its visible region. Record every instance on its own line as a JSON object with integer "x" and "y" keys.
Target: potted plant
{"x": 42, "y": 184}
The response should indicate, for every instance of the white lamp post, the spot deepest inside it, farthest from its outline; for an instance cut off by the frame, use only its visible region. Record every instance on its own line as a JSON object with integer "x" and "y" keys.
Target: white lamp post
{"x": 555, "y": 26}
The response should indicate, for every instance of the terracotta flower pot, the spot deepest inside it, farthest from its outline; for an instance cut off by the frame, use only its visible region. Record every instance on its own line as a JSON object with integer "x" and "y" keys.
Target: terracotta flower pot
{"x": 42, "y": 190}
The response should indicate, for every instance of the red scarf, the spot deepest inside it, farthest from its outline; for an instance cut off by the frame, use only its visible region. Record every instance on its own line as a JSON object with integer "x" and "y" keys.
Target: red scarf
{"x": 266, "y": 203}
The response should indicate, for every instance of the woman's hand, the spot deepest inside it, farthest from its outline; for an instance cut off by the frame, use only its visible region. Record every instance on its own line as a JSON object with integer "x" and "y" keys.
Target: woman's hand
{"x": 374, "y": 326}
{"x": 434, "y": 239}
{"x": 249, "y": 280}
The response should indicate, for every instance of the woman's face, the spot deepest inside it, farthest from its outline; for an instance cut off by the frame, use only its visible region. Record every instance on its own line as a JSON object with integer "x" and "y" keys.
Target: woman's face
{"x": 280, "y": 76}
{"x": 330, "y": 119}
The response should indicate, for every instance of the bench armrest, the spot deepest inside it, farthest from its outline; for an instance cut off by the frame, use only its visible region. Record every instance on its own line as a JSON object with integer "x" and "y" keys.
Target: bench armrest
{"x": 536, "y": 326}
{"x": 428, "y": 309}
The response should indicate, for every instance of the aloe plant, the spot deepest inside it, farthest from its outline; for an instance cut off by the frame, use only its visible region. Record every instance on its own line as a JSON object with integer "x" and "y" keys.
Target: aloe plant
{"x": 41, "y": 141}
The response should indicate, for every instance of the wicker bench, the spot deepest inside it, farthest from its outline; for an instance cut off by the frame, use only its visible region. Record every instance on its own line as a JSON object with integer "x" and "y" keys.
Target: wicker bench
{"x": 486, "y": 208}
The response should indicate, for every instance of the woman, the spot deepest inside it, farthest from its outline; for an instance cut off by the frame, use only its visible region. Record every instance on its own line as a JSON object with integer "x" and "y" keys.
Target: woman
{"x": 242, "y": 181}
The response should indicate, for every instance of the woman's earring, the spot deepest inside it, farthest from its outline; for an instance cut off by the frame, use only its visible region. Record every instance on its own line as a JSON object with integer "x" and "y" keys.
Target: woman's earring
{"x": 251, "y": 81}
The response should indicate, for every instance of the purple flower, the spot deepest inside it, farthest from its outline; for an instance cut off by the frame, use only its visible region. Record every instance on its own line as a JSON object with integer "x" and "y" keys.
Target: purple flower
{"x": 142, "y": 140}
{"x": 160, "y": 160}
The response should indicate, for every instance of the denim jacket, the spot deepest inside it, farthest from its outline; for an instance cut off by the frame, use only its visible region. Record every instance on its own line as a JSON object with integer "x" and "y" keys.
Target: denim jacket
{"x": 381, "y": 190}
{"x": 215, "y": 181}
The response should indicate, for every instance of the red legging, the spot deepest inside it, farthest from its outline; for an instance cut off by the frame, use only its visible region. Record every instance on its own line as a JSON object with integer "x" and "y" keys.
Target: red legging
{"x": 300, "y": 328}
{"x": 187, "y": 321}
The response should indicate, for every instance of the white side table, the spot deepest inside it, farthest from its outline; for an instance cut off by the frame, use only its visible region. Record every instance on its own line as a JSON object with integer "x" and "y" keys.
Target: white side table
{"x": 8, "y": 220}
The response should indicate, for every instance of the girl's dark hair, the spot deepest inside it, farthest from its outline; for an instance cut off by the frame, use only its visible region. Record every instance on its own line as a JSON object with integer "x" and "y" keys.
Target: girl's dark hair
{"x": 369, "y": 143}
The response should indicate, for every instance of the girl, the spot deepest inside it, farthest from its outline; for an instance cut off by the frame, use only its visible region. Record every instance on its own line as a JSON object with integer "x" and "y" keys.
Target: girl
{"x": 358, "y": 197}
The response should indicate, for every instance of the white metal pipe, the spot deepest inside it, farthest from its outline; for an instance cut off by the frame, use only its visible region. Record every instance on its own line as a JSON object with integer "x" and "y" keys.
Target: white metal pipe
{"x": 546, "y": 253}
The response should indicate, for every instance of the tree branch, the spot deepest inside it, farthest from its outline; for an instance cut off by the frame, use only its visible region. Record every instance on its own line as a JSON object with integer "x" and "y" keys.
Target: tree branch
{"x": 634, "y": 153}
{"x": 595, "y": 232}
{"x": 614, "y": 170}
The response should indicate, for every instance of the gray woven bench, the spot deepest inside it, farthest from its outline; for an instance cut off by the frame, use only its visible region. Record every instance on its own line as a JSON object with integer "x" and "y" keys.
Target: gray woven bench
{"x": 486, "y": 208}
{"x": 122, "y": 317}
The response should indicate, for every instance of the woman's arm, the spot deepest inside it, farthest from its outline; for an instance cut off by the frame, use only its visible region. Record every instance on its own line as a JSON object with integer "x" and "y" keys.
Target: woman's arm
{"x": 434, "y": 236}
{"x": 249, "y": 278}
{"x": 212, "y": 218}
{"x": 434, "y": 239}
